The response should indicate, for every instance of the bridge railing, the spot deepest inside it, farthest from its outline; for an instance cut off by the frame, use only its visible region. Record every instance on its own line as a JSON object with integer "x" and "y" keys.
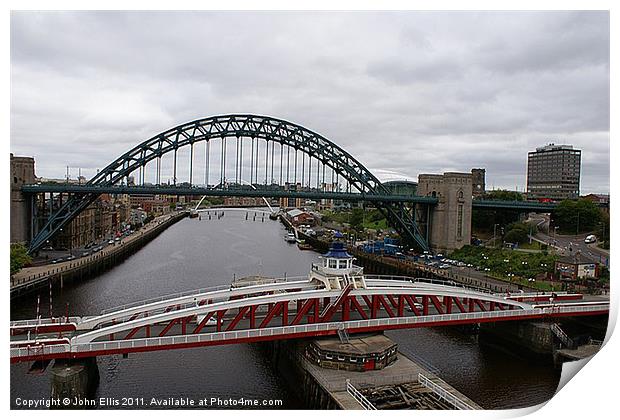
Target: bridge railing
{"x": 359, "y": 397}
{"x": 408, "y": 279}
{"x": 44, "y": 321}
{"x": 181, "y": 340}
{"x": 443, "y": 393}
{"x": 309, "y": 328}
{"x": 38, "y": 350}
{"x": 196, "y": 292}
{"x": 163, "y": 298}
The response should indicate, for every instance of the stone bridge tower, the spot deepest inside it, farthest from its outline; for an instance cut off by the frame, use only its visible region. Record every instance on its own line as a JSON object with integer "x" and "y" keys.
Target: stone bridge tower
{"x": 22, "y": 172}
{"x": 450, "y": 222}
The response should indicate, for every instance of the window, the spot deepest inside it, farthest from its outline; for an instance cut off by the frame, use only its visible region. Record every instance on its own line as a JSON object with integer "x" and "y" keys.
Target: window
{"x": 343, "y": 264}
{"x": 333, "y": 264}
{"x": 459, "y": 221}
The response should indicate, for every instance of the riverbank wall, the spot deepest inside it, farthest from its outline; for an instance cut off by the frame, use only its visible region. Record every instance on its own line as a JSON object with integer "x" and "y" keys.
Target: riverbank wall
{"x": 85, "y": 268}
{"x": 386, "y": 265}
{"x": 534, "y": 338}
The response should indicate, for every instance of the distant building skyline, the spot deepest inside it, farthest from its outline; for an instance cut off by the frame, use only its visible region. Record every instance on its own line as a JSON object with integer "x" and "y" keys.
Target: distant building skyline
{"x": 554, "y": 172}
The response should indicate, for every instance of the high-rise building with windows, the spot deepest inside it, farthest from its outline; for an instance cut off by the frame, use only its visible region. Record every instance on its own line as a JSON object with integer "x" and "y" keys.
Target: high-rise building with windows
{"x": 553, "y": 172}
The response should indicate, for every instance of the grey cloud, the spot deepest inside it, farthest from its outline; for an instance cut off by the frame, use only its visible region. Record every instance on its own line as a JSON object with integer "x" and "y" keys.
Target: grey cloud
{"x": 405, "y": 92}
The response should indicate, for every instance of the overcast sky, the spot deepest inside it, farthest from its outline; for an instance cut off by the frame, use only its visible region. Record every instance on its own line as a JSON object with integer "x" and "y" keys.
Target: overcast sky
{"x": 404, "y": 92}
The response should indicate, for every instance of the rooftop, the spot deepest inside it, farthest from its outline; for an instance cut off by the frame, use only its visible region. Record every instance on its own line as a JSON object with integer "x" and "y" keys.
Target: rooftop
{"x": 295, "y": 212}
{"x": 552, "y": 146}
{"x": 356, "y": 345}
{"x": 576, "y": 259}
{"x": 337, "y": 250}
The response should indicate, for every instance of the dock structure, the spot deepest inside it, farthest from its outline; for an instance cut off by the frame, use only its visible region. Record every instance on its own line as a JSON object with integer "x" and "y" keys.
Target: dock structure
{"x": 579, "y": 352}
{"x": 403, "y": 384}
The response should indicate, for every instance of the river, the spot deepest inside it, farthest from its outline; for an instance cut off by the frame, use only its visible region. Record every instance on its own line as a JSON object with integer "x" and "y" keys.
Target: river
{"x": 195, "y": 253}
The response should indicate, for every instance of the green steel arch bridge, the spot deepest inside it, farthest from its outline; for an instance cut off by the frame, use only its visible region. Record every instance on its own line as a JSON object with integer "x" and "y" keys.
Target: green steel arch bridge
{"x": 276, "y": 158}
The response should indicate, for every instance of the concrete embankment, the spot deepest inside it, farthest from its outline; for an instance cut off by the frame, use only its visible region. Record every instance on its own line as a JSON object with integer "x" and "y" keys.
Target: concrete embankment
{"x": 328, "y": 388}
{"x": 33, "y": 278}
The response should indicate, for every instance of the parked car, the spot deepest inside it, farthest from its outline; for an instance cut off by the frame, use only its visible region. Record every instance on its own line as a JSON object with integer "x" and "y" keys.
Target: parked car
{"x": 590, "y": 239}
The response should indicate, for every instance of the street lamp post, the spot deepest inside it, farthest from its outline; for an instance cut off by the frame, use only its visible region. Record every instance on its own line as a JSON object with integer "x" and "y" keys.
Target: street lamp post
{"x": 577, "y": 223}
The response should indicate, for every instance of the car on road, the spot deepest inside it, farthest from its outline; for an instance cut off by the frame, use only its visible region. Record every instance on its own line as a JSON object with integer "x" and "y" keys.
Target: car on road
{"x": 111, "y": 242}
{"x": 85, "y": 254}
{"x": 590, "y": 239}
{"x": 444, "y": 266}
{"x": 416, "y": 305}
{"x": 70, "y": 257}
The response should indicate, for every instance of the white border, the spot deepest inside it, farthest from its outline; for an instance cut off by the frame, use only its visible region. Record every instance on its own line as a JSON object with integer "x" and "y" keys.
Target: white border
{"x": 590, "y": 395}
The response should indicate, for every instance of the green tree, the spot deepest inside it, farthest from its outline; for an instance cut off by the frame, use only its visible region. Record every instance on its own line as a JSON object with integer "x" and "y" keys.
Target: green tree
{"x": 19, "y": 257}
{"x": 503, "y": 195}
{"x": 516, "y": 236}
{"x": 356, "y": 219}
{"x": 484, "y": 220}
{"x": 602, "y": 232}
{"x": 576, "y": 216}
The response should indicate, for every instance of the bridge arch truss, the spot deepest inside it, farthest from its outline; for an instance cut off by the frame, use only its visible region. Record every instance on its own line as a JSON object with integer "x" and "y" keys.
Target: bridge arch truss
{"x": 245, "y": 129}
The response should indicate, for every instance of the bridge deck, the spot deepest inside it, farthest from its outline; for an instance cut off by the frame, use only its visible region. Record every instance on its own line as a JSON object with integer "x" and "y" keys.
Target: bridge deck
{"x": 280, "y": 309}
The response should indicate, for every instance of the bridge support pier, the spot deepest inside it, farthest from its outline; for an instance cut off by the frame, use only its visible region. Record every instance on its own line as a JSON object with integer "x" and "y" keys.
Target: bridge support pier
{"x": 75, "y": 379}
{"x": 534, "y": 336}
{"x": 449, "y": 222}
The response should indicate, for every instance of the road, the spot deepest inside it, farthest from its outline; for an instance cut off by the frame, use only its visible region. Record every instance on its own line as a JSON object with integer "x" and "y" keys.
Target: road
{"x": 568, "y": 245}
{"x": 34, "y": 272}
